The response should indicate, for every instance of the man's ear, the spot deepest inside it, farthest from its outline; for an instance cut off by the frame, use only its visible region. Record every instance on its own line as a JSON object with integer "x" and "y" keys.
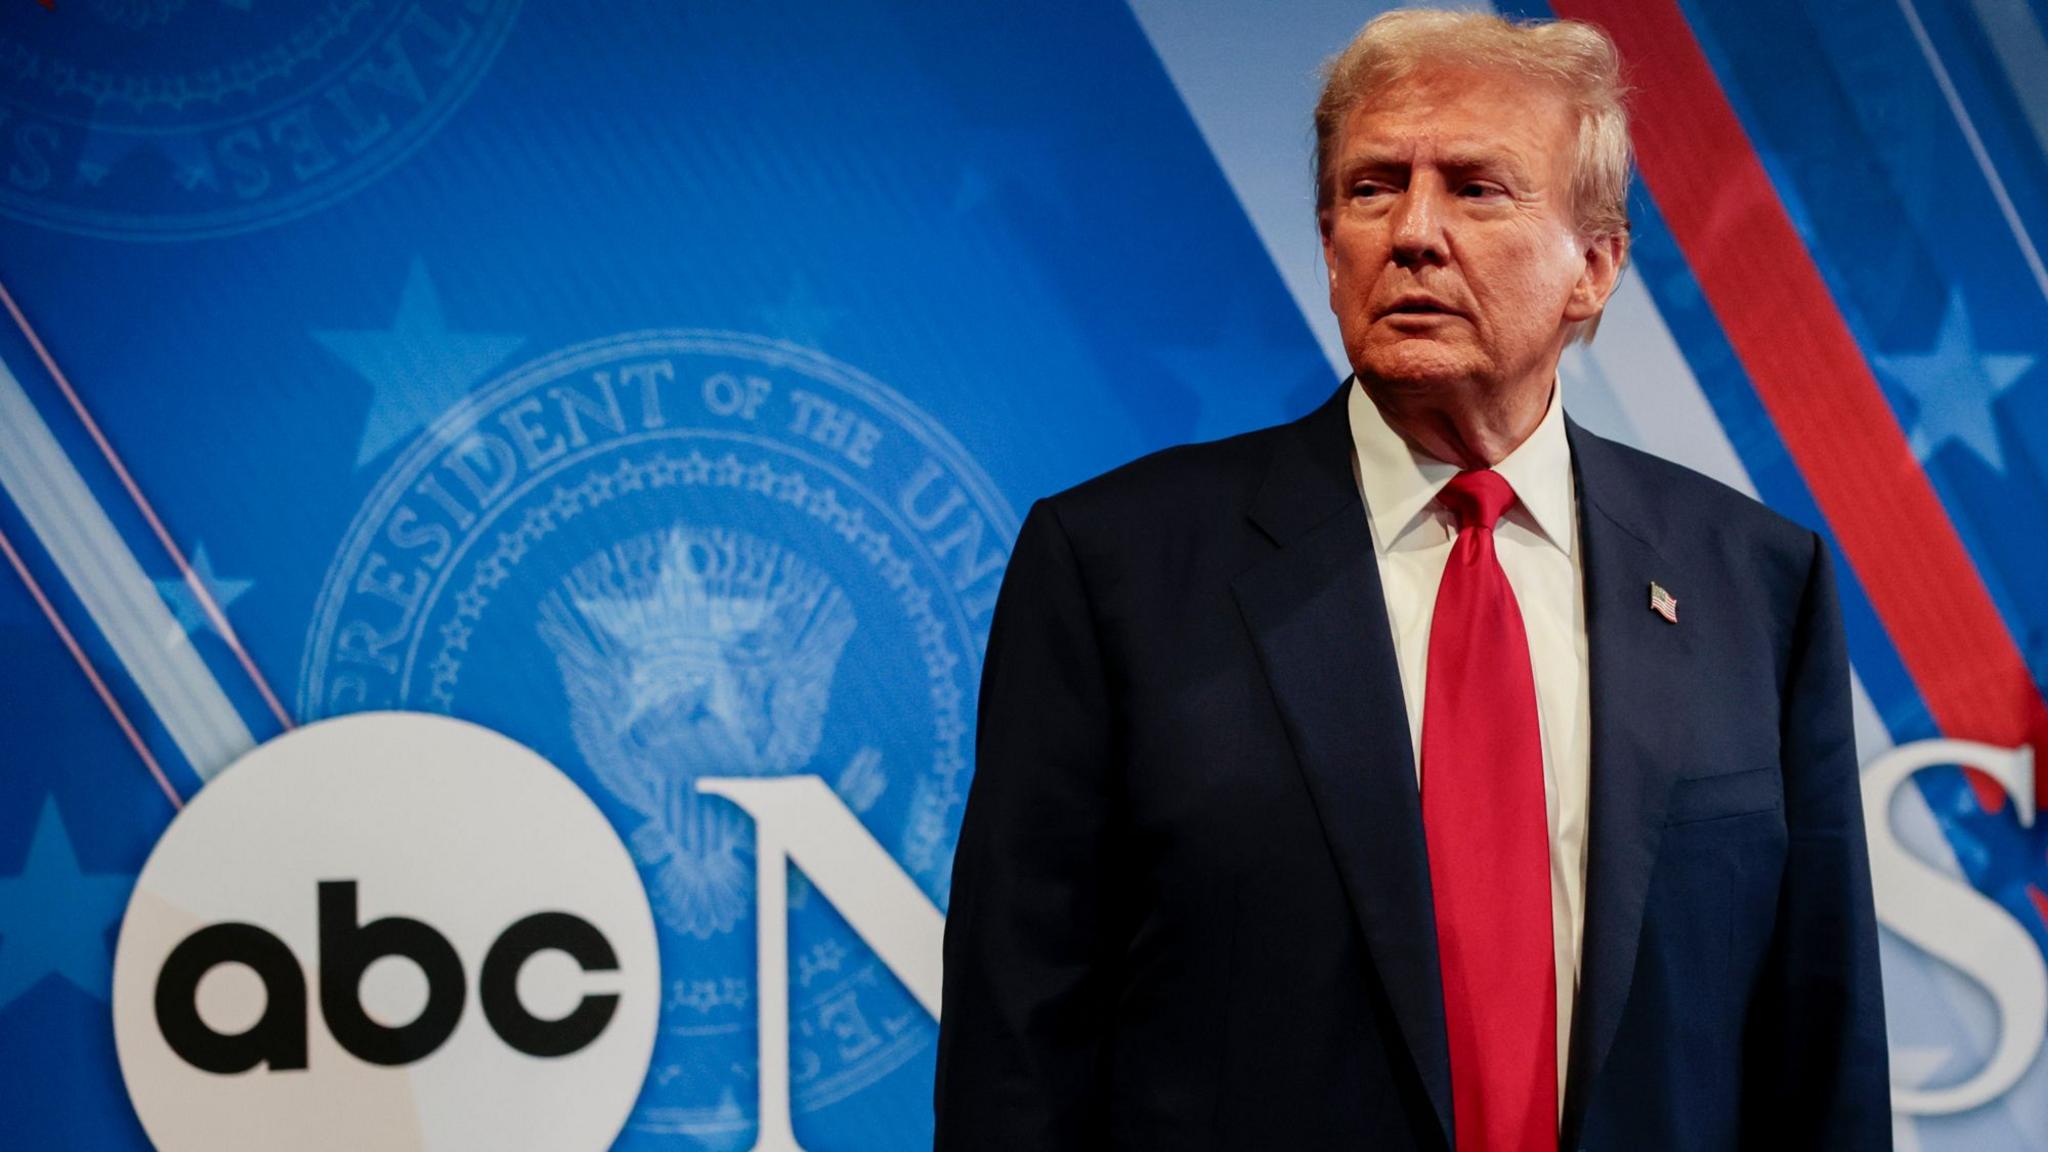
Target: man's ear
{"x": 1605, "y": 256}
{"x": 1329, "y": 261}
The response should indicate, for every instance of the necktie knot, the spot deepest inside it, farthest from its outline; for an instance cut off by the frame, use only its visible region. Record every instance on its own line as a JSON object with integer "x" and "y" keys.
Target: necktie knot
{"x": 1477, "y": 497}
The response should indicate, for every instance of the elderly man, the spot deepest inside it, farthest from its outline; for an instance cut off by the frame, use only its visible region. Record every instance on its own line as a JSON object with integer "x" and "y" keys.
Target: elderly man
{"x": 1516, "y": 805}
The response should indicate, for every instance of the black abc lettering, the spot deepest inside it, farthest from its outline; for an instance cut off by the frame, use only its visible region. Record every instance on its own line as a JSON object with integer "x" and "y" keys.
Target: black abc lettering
{"x": 346, "y": 950}
{"x": 498, "y": 988}
{"x": 277, "y": 1039}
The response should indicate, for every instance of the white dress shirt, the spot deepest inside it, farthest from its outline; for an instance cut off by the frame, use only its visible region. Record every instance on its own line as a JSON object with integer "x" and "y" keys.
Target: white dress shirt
{"x": 1537, "y": 542}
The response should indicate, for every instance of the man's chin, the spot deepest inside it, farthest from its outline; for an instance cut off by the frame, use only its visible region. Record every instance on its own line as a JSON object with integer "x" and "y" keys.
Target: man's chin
{"x": 1416, "y": 364}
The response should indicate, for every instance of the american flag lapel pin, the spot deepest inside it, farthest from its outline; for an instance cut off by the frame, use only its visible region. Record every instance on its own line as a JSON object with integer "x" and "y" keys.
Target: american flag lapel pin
{"x": 1663, "y": 603}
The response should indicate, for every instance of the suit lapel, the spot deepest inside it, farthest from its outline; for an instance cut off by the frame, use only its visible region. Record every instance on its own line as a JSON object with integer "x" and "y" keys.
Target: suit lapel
{"x": 1636, "y": 672}
{"x": 1318, "y": 620}
{"x": 1319, "y": 623}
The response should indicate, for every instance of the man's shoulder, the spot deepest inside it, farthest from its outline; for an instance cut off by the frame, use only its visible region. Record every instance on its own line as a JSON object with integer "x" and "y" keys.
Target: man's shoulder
{"x": 1187, "y": 487}
{"x": 1681, "y": 509}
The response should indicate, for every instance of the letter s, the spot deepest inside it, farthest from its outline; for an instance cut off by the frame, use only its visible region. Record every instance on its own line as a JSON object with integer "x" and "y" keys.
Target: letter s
{"x": 32, "y": 144}
{"x": 1957, "y": 924}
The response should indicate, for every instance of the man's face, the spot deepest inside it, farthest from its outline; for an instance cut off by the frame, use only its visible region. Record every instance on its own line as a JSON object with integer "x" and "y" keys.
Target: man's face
{"x": 1449, "y": 235}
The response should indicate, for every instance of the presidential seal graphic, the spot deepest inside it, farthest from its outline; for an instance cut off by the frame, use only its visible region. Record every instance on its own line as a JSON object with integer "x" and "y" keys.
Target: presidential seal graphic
{"x": 168, "y": 119}
{"x": 676, "y": 555}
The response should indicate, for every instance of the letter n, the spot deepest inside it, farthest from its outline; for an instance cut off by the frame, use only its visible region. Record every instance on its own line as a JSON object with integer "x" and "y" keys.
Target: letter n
{"x": 799, "y": 818}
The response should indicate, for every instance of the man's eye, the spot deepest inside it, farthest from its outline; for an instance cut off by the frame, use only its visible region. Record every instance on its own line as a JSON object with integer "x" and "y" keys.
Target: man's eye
{"x": 1367, "y": 189}
{"x": 1479, "y": 190}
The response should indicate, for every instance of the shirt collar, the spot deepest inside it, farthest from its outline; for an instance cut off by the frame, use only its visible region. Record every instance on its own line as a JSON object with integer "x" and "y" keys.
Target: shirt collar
{"x": 1400, "y": 483}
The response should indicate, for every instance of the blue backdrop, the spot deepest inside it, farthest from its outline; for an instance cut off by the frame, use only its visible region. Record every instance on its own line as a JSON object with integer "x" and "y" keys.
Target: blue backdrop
{"x": 358, "y": 345}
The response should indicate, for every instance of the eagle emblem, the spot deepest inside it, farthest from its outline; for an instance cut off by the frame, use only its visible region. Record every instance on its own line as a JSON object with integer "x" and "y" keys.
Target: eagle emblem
{"x": 687, "y": 652}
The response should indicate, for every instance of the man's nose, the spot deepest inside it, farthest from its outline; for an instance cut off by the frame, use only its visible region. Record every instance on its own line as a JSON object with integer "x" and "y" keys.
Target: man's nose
{"x": 1418, "y": 232}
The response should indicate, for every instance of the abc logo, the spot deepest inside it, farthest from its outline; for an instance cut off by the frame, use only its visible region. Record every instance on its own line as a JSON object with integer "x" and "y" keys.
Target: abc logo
{"x": 387, "y": 931}
{"x": 346, "y": 952}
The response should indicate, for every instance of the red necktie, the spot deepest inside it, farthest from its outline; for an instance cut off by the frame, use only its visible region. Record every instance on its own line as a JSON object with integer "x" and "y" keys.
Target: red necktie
{"x": 1489, "y": 844}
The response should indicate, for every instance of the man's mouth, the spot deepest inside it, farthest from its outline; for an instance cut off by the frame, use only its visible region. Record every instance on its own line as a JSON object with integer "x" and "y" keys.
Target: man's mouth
{"x": 1419, "y": 306}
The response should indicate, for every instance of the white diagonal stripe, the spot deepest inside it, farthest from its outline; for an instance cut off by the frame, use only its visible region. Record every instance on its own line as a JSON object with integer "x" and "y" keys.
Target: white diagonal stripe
{"x": 118, "y": 594}
{"x": 2016, "y": 39}
{"x": 1969, "y": 129}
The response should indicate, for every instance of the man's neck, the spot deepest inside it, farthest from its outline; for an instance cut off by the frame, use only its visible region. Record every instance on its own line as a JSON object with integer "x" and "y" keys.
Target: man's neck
{"x": 1470, "y": 426}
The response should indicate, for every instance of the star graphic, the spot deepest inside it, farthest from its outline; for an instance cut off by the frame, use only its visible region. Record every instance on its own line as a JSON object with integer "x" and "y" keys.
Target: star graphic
{"x": 417, "y": 369}
{"x": 184, "y": 602}
{"x": 54, "y": 918}
{"x": 1011, "y": 169}
{"x": 103, "y": 152}
{"x": 971, "y": 191}
{"x": 1954, "y": 385}
{"x": 1240, "y": 376}
{"x": 801, "y": 317}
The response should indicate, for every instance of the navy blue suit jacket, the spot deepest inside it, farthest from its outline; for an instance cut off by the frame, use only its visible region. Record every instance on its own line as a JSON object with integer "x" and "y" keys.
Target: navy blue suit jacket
{"x": 1191, "y": 905}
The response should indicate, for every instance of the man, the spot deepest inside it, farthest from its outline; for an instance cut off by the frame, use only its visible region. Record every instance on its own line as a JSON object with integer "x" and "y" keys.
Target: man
{"x": 1515, "y": 807}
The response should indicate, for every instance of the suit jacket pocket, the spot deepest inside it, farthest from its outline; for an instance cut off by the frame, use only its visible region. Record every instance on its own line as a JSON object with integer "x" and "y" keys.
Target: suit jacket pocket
{"x": 1698, "y": 798}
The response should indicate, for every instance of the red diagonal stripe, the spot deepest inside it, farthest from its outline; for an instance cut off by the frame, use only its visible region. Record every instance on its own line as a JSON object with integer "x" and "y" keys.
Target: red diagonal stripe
{"x": 1805, "y": 365}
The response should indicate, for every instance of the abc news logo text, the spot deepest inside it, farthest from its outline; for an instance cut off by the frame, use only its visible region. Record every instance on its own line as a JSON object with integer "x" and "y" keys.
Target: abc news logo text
{"x": 295, "y": 966}
{"x": 347, "y": 950}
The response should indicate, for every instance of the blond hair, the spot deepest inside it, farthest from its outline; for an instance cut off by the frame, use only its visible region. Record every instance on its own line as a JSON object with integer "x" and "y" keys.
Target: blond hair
{"x": 1578, "y": 58}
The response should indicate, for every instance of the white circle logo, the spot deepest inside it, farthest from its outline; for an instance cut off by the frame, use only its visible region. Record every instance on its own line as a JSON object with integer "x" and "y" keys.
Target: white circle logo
{"x": 391, "y": 931}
